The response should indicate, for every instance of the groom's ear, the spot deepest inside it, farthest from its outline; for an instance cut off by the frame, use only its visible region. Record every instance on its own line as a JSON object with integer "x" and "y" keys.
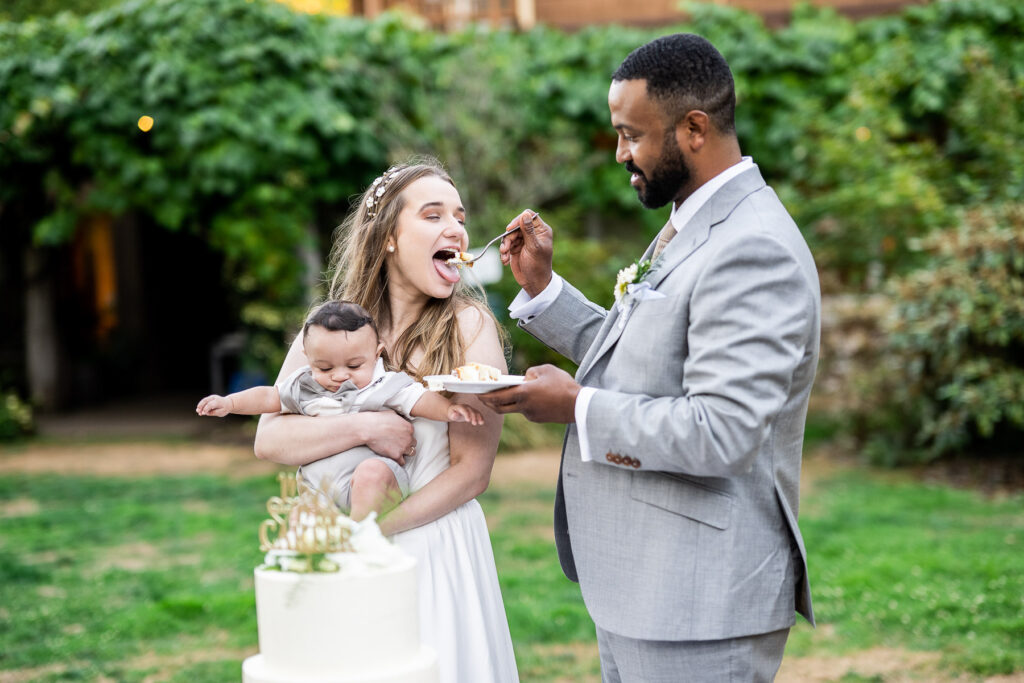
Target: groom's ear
{"x": 692, "y": 130}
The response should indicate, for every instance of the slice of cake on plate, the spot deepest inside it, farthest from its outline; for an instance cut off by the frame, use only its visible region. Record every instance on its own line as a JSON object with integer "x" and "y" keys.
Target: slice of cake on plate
{"x": 477, "y": 372}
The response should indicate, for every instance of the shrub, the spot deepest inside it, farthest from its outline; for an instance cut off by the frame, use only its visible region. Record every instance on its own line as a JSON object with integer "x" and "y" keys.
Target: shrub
{"x": 15, "y": 417}
{"x": 908, "y": 120}
{"x": 951, "y": 371}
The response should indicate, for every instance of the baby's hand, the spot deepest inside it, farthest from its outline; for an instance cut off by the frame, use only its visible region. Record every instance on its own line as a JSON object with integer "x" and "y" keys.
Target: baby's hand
{"x": 459, "y": 412}
{"x": 215, "y": 405}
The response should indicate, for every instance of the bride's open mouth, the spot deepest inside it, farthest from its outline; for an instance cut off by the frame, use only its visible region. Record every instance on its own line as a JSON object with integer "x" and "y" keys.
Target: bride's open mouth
{"x": 445, "y": 263}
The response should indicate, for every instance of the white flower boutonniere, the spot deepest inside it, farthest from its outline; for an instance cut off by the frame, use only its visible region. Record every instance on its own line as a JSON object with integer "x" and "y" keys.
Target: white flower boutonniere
{"x": 629, "y": 290}
{"x": 630, "y": 275}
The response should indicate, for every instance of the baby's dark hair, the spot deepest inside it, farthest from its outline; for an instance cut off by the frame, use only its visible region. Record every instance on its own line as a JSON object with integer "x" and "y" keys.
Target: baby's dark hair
{"x": 340, "y": 315}
{"x": 684, "y": 72}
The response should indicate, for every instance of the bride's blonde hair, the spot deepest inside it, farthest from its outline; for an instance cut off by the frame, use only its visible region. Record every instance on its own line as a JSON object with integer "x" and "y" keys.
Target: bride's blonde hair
{"x": 358, "y": 272}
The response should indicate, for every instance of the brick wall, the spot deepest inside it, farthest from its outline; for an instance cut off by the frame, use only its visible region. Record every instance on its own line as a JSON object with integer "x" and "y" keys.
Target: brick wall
{"x": 576, "y": 13}
{"x": 573, "y": 14}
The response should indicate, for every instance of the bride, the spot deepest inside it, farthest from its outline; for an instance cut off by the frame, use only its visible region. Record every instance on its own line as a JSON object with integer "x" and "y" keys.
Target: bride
{"x": 389, "y": 258}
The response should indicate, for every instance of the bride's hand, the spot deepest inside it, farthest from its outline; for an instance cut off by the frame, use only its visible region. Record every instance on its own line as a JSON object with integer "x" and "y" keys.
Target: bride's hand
{"x": 389, "y": 434}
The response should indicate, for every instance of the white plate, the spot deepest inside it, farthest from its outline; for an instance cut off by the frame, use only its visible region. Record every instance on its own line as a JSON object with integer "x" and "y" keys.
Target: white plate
{"x": 459, "y": 386}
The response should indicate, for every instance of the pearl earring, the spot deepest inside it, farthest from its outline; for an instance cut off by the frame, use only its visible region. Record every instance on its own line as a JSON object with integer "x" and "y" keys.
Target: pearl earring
{"x": 391, "y": 248}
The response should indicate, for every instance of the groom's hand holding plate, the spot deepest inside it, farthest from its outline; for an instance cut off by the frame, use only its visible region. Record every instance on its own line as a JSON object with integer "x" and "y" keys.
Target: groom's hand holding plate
{"x": 548, "y": 394}
{"x": 464, "y": 386}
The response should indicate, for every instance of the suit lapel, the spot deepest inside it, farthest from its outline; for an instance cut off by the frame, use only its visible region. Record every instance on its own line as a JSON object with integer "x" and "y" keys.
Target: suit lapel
{"x": 688, "y": 240}
{"x": 609, "y": 331}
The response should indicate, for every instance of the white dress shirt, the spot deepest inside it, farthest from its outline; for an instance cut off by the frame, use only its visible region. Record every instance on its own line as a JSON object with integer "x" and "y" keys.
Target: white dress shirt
{"x": 525, "y": 308}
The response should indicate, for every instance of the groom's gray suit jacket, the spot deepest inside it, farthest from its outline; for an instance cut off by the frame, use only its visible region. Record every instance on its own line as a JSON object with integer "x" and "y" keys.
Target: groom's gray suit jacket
{"x": 684, "y": 525}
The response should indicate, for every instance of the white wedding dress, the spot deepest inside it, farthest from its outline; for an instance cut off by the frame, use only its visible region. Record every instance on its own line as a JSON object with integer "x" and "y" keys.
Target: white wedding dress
{"x": 462, "y": 616}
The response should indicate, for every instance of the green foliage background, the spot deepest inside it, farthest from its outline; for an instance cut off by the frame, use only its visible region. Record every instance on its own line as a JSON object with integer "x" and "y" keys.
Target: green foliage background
{"x": 20, "y": 10}
{"x": 874, "y": 132}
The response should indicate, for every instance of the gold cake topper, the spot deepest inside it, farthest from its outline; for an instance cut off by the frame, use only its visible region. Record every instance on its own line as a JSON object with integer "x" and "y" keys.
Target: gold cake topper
{"x": 306, "y": 522}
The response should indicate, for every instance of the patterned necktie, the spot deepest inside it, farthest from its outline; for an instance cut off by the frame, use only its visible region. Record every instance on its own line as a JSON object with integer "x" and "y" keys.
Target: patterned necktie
{"x": 664, "y": 237}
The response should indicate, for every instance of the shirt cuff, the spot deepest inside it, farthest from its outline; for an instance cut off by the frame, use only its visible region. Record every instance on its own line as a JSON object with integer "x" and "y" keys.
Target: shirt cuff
{"x": 525, "y": 308}
{"x": 582, "y": 403}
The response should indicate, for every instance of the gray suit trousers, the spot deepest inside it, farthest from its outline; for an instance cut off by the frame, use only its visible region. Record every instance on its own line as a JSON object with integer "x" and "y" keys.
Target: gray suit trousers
{"x": 751, "y": 659}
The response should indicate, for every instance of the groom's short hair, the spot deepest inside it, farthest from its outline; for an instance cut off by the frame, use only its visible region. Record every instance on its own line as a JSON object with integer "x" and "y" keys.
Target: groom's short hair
{"x": 684, "y": 72}
{"x": 340, "y": 315}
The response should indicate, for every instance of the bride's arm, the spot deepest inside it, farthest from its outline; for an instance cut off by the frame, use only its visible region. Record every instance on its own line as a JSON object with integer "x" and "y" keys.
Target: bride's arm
{"x": 472, "y": 448}
{"x": 299, "y": 439}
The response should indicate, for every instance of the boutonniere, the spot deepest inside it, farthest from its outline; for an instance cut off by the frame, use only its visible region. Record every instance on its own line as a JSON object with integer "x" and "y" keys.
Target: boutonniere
{"x": 630, "y": 275}
{"x": 631, "y": 290}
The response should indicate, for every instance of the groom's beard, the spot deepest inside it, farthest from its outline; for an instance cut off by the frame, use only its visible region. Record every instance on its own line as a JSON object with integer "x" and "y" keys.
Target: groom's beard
{"x": 665, "y": 179}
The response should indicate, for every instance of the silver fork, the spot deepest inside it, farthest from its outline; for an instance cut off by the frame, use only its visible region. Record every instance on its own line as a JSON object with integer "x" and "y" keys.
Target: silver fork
{"x": 458, "y": 262}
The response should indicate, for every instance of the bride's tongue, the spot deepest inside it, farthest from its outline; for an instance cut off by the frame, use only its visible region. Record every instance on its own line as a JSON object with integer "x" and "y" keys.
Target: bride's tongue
{"x": 448, "y": 272}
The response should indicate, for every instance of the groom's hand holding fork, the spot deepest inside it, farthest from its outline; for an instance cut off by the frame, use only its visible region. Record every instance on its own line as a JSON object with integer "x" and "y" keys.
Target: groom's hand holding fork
{"x": 528, "y": 252}
{"x": 549, "y": 393}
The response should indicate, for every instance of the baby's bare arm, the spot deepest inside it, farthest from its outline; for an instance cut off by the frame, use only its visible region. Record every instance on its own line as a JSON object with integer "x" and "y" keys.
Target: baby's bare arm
{"x": 254, "y": 401}
{"x": 432, "y": 406}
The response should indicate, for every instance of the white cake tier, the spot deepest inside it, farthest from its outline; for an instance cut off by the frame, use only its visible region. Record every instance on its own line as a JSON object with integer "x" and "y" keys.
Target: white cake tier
{"x": 421, "y": 669}
{"x": 356, "y": 625}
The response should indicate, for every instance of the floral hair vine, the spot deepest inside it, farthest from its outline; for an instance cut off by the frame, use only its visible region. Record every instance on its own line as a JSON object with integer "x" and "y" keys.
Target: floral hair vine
{"x": 377, "y": 191}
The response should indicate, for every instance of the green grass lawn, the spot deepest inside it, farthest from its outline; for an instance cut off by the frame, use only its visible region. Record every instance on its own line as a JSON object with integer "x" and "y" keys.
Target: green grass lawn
{"x": 919, "y": 566}
{"x": 119, "y": 580}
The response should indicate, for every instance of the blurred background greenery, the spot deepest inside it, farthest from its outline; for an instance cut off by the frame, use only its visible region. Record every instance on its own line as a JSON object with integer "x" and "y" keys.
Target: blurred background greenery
{"x": 173, "y": 171}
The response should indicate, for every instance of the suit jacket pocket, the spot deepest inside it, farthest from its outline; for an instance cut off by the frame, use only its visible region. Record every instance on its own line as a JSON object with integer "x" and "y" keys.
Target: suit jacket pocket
{"x": 682, "y": 496}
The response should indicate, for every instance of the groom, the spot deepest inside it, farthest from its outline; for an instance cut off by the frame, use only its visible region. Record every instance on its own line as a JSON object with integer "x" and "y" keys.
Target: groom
{"x": 676, "y": 507}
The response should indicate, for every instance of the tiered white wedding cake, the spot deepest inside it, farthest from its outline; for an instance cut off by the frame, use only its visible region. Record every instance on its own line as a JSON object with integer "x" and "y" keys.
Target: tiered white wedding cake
{"x": 336, "y": 602}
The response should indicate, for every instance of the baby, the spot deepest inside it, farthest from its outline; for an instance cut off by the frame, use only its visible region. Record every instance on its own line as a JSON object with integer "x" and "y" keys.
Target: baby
{"x": 346, "y": 375}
